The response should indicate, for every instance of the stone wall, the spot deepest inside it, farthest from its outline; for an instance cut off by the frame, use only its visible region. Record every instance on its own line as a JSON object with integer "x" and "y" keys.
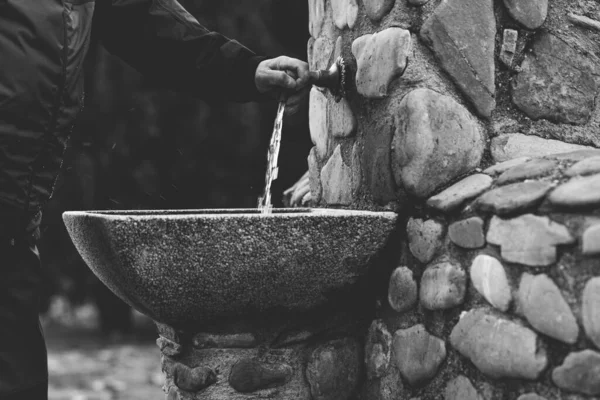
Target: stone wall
{"x": 477, "y": 121}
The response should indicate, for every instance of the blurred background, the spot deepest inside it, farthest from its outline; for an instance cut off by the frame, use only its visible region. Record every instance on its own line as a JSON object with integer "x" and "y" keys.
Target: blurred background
{"x": 135, "y": 147}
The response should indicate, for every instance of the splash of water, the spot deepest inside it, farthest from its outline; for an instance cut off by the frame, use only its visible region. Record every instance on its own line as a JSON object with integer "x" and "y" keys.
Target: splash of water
{"x": 264, "y": 202}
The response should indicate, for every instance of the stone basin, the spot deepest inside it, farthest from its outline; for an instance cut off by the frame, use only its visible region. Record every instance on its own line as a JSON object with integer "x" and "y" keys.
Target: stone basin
{"x": 185, "y": 268}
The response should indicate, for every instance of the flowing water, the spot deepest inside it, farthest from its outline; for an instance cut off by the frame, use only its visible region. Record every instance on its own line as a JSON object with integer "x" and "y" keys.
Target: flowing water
{"x": 264, "y": 202}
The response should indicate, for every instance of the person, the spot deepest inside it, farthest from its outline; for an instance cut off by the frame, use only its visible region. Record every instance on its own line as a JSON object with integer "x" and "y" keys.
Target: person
{"x": 42, "y": 47}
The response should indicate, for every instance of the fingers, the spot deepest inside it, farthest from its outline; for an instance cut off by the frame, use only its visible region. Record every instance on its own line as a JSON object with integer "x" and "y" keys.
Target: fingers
{"x": 298, "y": 68}
{"x": 282, "y": 74}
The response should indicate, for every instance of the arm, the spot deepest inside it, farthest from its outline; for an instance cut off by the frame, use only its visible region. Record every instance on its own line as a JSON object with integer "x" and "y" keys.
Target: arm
{"x": 164, "y": 42}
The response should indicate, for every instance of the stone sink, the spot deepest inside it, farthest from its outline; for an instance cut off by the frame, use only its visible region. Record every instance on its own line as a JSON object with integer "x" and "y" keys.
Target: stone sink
{"x": 187, "y": 268}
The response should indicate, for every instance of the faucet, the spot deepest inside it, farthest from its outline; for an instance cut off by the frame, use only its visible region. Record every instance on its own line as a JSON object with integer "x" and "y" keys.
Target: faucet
{"x": 335, "y": 79}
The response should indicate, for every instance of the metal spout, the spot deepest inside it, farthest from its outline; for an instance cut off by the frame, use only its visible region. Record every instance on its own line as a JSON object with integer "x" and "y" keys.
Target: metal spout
{"x": 333, "y": 79}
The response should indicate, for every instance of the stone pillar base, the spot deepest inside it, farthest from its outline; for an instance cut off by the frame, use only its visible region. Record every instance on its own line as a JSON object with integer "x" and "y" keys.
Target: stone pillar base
{"x": 300, "y": 358}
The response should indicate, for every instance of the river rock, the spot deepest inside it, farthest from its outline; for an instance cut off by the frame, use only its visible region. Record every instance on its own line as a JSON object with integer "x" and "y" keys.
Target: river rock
{"x": 461, "y": 388}
{"x": 590, "y": 240}
{"x": 250, "y": 375}
{"x": 467, "y": 233}
{"x": 590, "y": 310}
{"x": 192, "y": 379}
{"x": 314, "y": 175}
{"x": 381, "y": 57}
{"x": 343, "y": 10}
{"x": 578, "y": 192}
{"x": 436, "y": 140}
{"x": 531, "y": 169}
{"x": 513, "y": 198}
{"x": 333, "y": 369}
{"x": 317, "y": 120}
{"x": 378, "y": 350}
{"x": 336, "y": 178}
{"x": 424, "y": 238}
{"x": 402, "y": 290}
{"x": 320, "y": 54}
{"x": 443, "y": 286}
{"x": 464, "y": 43}
{"x": 499, "y": 168}
{"x": 529, "y": 13}
{"x": 580, "y": 373}
{"x": 377, "y": 9}
{"x": 418, "y": 354}
{"x": 514, "y": 145}
{"x": 342, "y": 122}
{"x": 584, "y": 167}
{"x": 498, "y": 347}
{"x": 559, "y": 89}
{"x": 463, "y": 190}
{"x": 489, "y": 279}
{"x": 316, "y": 14}
{"x": 528, "y": 239}
{"x": 545, "y": 308}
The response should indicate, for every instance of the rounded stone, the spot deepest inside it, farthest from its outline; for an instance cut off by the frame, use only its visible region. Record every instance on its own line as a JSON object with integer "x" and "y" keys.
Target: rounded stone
{"x": 314, "y": 175}
{"x": 590, "y": 310}
{"x": 377, "y": 9}
{"x": 193, "y": 379}
{"x": 515, "y": 145}
{"x": 461, "y": 388}
{"x": 378, "y": 350}
{"x": 418, "y": 354}
{"x": 381, "y": 57}
{"x": 528, "y": 239}
{"x": 250, "y": 375}
{"x": 590, "y": 240}
{"x": 402, "y": 290}
{"x": 424, "y": 238}
{"x": 498, "y": 347}
{"x": 336, "y": 178}
{"x": 514, "y": 198}
{"x": 529, "y": 13}
{"x": 588, "y": 166}
{"x": 461, "y": 34}
{"x": 436, "y": 140}
{"x": 578, "y": 192}
{"x": 333, "y": 370}
{"x": 503, "y": 166}
{"x": 443, "y": 286}
{"x": 457, "y": 194}
{"x": 317, "y": 120}
{"x": 580, "y": 373}
{"x": 489, "y": 279}
{"x": 342, "y": 122}
{"x": 545, "y": 308}
{"x": 467, "y": 233}
{"x": 528, "y": 170}
{"x": 561, "y": 90}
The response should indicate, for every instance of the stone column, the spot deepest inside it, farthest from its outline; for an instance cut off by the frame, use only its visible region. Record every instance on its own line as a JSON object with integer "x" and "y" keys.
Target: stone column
{"x": 318, "y": 355}
{"x": 478, "y": 122}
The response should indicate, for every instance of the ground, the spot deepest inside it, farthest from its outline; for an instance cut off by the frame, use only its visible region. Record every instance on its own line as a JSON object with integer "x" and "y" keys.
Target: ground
{"x": 85, "y": 365}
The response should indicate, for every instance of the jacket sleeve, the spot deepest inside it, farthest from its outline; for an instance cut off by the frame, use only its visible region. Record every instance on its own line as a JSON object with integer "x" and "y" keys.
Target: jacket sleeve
{"x": 164, "y": 42}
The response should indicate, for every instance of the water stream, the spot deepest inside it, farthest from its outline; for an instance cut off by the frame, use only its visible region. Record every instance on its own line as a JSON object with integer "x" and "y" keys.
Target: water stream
{"x": 264, "y": 202}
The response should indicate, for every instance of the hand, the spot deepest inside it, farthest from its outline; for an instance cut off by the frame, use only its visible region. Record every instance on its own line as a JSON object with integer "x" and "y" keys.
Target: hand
{"x": 284, "y": 77}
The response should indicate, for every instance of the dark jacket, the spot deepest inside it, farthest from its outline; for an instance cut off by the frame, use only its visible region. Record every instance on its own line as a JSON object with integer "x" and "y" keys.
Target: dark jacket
{"x": 42, "y": 47}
